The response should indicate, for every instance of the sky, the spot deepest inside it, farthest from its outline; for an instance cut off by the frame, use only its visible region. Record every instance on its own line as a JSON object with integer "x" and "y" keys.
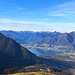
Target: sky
{"x": 37, "y": 15}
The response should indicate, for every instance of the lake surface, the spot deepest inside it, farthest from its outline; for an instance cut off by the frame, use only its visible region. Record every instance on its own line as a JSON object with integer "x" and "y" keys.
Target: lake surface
{"x": 40, "y": 52}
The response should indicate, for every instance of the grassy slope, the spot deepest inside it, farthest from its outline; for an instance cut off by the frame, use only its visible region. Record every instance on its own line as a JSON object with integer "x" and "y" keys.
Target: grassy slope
{"x": 37, "y": 73}
{"x": 32, "y": 73}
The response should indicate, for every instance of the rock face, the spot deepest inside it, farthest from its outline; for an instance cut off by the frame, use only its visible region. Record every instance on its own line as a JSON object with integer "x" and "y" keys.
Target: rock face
{"x": 12, "y": 54}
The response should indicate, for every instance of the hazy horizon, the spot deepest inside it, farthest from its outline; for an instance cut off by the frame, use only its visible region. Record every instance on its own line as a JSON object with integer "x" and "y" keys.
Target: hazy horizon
{"x": 35, "y": 31}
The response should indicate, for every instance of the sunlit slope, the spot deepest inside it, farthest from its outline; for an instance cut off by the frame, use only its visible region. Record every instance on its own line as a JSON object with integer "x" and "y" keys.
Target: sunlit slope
{"x": 37, "y": 73}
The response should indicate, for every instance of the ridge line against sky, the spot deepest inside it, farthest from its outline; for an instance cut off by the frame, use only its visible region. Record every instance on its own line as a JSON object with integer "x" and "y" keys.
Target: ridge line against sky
{"x": 37, "y": 15}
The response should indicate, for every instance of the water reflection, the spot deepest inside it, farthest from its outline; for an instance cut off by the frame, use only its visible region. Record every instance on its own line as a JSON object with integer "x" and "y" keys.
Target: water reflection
{"x": 40, "y": 52}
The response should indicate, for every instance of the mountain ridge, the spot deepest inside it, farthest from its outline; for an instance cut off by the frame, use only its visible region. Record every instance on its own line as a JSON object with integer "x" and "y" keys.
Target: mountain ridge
{"x": 12, "y": 54}
{"x": 52, "y": 38}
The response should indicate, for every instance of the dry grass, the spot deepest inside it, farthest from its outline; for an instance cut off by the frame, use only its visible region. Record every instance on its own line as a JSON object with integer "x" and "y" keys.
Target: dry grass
{"x": 32, "y": 73}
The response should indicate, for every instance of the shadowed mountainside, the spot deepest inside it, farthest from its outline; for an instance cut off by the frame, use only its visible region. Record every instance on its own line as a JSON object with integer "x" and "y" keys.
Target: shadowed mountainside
{"x": 12, "y": 54}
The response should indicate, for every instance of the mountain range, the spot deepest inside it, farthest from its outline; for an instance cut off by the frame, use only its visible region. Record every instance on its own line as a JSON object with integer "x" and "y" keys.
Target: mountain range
{"x": 12, "y": 54}
{"x": 51, "y": 38}
{"x": 14, "y": 57}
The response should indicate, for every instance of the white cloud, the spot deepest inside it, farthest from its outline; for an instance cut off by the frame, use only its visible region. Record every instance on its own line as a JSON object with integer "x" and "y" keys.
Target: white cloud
{"x": 20, "y": 8}
{"x": 18, "y": 25}
{"x": 44, "y": 19}
{"x": 66, "y": 10}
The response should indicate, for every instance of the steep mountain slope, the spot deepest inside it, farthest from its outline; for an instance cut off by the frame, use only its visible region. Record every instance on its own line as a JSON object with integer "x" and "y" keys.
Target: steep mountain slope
{"x": 12, "y": 54}
{"x": 63, "y": 39}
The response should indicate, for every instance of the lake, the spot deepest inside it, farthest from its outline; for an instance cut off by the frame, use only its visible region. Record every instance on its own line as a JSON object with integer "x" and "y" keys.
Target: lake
{"x": 40, "y": 52}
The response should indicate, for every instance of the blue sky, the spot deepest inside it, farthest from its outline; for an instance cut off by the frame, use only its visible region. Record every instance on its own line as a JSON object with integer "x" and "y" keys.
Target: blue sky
{"x": 37, "y": 15}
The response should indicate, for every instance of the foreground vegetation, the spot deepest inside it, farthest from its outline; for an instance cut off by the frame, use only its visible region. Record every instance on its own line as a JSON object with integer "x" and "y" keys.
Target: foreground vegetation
{"x": 33, "y": 73}
{"x": 38, "y": 69}
{"x": 37, "y": 73}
